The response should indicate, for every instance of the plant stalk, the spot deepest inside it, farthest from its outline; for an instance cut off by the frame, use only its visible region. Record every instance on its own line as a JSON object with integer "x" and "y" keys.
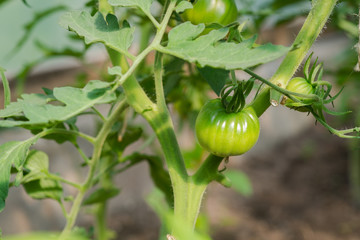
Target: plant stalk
{"x": 98, "y": 145}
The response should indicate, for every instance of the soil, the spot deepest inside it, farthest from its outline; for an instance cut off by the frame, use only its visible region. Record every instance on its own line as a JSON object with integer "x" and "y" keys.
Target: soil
{"x": 301, "y": 192}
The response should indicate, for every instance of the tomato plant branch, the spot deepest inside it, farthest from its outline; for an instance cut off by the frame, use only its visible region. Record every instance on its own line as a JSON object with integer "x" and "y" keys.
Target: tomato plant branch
{"x": 158, "y": 76}
{"x": 90, "y": 139}
{"x": 285, "y": 92}
{"x": 98, "y": 145}
{"x": 60, "y": 179}
{"x": 310, "y": 30}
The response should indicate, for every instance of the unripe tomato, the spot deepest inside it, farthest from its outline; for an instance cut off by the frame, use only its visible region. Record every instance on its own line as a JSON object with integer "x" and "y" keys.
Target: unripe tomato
{"x": 299, "y": 85}
{"x": 212, "y": 11}
{"x": 226, "y": 134}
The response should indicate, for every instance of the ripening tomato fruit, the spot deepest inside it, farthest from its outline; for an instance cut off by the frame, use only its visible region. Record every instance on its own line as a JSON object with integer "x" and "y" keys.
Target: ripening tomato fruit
{"x": 299, "y": 85}
{"x": 226, "y": 134}
{"x": 212, "y": 11}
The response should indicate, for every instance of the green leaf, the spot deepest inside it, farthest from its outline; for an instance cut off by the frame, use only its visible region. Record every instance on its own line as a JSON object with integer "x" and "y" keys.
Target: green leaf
{"x": 12, "y": 153}
{"x": 37, "y": 163}
{"x": 101, "y": 195}
{"x": 115, "y": 71}
{"x": 105, "y": 8}
{"x": 44, "y": 188}
{"x": 35, "y": 182}
{"x": 7, "y": 92}
{"x": 240, "y": 182}
{"x": 144, "y": 5}
{"x": 206, "y": 50}
{"x": 44, "y": 236}
{"x": 16, "y": 108}
{"x": 73, "y": 101}
{"x": 119, "y": 143}
{"x": 182, "y": 6}
{"x": 96, "y": 29}
{"x": 215, "y": 77}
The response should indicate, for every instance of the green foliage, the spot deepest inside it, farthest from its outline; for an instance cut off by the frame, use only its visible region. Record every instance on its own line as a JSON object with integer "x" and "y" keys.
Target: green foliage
{"x": 96, "y": 29}
{"x": 36, "y": 182}
{"x": 182, "y": 6}
{"x": 143, "y": 5}
{"x": 215, "y": 77}
{"x": 39, "y": 109}
{"x": 101, "y": 195}
{"x": 240, "y": 182}
{"x": 185, "y": 44}
{"x": 187, "y": 64}
{"x": 12, "y": 153}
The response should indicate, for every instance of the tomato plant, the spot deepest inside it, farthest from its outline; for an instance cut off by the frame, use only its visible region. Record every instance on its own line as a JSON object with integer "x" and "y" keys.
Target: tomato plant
{"x": 211, "y": 11}
{"x": 143, "y": 77}
{"x": 226, "y": 134}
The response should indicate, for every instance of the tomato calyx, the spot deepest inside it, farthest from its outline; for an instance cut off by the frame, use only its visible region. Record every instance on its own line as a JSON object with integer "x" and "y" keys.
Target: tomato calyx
{"x": 240, "y": 90}
{"x": 312, "y": 85}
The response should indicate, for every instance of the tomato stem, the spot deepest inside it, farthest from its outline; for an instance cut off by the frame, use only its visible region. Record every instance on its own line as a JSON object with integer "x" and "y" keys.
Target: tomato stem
{"x": 98, "y": 145}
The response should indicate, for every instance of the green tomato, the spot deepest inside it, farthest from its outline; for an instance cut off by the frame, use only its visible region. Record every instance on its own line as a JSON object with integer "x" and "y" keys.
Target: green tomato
{"x": 212, "y": 11}
{"x": 302, "y": 86}
{"x": 226, "y": 134}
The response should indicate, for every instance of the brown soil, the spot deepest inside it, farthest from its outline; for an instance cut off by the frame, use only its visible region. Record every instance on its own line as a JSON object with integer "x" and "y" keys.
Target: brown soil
{"x": 301, "y": 192}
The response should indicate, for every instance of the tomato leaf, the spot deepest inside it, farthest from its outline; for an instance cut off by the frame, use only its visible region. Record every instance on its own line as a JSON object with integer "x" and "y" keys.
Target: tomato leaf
{"x": 240, "y": 182}
{"x": 144, "y": 5}
{"x": 37, "y": 163}
{"x": 12, "y": 153}
{"x": 96, "y": 29}
{"x": 215, "y": 77}
{"x": 207, "y": 50}
{"x": 105, "y": 8}
{"x": 36, "y": 109}
{"x": 36, "y": 183}
{"x": 44, "y": 188}
{"x": 101, "y": 195}
{"x": 182, "y": 6}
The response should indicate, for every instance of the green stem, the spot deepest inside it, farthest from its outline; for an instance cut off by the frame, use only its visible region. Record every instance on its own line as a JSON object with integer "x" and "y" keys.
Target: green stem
{"x": 100, "y": 226}
{"x": 71, "y": 132}
{"x": 7, "y": 92}
{"x": 60, "y": 179}
{"x": 159, "y": 88}
{"x": 283, "y": 91}
{"x": 98, "y": 145}
{"x": 101, "y": 230}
